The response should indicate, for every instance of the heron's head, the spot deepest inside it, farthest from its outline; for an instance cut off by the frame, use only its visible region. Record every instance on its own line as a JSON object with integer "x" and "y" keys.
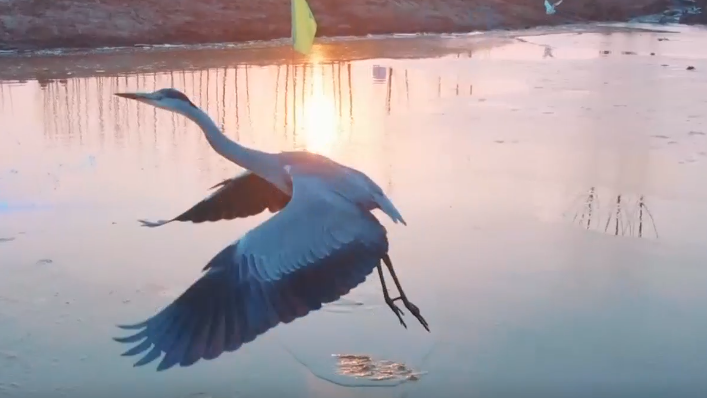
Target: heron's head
{"x": 167, "y": 98}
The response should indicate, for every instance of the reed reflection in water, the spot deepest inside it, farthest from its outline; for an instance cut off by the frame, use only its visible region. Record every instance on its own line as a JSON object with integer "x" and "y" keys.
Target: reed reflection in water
{"x": 621, "y": 215}
{"x": 312, "y": 102}
{"x": 334, "y": 108}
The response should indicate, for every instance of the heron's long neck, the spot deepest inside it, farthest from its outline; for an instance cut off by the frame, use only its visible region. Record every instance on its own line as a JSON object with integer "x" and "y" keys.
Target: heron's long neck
{"x": 256, "y": 161}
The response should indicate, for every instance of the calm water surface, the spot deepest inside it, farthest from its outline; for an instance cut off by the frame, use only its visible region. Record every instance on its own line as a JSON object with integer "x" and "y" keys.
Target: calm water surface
{"x": 511, "y": 160}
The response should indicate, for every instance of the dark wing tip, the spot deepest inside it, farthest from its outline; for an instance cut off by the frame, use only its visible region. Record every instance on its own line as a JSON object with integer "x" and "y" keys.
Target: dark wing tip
{"x": 134, "y": 326}
{"x": 242, "y": 196}
{"x": 145, "y": 345}
{"x": 164, "y": 366}
{"x": 122, "y": 339}
{"x": 227, "y": 308}
{"x": 222, "y": 183}
{"x": 153, "y": 224}
{"x": 138, "y": 349}
{"x": 132, "y": 338}
{"x": 150, "y": 357}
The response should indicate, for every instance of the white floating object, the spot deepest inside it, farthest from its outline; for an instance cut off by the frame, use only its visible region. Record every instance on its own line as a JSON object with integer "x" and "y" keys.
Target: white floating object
{"x": 550, "y": 8}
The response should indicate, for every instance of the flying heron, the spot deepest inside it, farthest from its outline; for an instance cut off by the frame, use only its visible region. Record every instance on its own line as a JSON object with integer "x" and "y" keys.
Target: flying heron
{"x": 322, "y": 242}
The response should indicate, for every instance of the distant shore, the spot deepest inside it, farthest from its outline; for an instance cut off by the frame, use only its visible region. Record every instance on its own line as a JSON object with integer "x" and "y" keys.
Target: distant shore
{"x": 45, "y": 66}
{"x": 42, "y": 24}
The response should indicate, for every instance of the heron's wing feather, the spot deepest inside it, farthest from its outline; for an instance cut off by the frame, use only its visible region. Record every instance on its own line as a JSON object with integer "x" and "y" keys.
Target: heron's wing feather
{"x": 242, "y": 196}
{"x": 313, "y": 252}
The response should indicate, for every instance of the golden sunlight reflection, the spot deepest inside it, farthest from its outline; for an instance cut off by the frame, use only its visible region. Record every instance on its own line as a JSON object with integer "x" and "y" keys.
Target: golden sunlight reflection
{"x": 337, "y": 109}
{"x": 321, "y": 124}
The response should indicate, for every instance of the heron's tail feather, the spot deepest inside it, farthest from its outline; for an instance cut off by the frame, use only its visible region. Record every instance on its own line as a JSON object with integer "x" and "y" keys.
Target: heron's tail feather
{"x": 389, "y": 208}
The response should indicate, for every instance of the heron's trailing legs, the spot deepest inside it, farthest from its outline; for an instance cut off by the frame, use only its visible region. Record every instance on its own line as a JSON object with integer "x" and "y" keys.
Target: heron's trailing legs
{"x": 397, "y": 311}
{"x": 391, "y": 302}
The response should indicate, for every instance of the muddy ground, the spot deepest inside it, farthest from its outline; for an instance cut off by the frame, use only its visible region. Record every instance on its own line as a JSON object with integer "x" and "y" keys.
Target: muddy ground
{"x": 33, "y": 24}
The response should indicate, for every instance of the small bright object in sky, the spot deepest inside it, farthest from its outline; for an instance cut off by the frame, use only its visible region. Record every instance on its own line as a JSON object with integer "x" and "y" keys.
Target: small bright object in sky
{"x": 304, "y": 27}
{"x": 550, "y": 8}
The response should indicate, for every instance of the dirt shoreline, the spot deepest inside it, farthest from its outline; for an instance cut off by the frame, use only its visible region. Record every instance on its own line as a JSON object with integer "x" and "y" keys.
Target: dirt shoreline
{"x": 80, "y": 63}
{"x": 42, "y": 24}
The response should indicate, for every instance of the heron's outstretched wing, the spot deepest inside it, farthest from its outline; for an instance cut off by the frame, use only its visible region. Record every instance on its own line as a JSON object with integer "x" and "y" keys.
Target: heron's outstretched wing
{"x": 242, "y": 196}
{"x": 318, "y": 248}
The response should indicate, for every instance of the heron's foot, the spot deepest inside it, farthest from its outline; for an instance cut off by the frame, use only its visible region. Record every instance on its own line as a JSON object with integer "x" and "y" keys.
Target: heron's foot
{"x": 397, "y": 311}
{"x": 415, "y": 312}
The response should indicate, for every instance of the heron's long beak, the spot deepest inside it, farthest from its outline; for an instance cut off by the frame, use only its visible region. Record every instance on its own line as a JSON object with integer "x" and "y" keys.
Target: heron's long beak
{"x": 135, "y": 96}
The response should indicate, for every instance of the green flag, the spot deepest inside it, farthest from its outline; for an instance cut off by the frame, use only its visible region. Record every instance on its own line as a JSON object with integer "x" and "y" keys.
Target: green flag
{"x": 304, "y": 27}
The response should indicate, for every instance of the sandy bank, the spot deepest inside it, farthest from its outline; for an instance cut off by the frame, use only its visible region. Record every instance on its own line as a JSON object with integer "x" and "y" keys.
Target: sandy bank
{"x": 34, "y": 24}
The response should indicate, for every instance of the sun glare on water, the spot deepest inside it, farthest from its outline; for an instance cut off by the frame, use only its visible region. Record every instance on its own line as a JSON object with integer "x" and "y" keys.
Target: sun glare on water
{"x": 321, "y": 124}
